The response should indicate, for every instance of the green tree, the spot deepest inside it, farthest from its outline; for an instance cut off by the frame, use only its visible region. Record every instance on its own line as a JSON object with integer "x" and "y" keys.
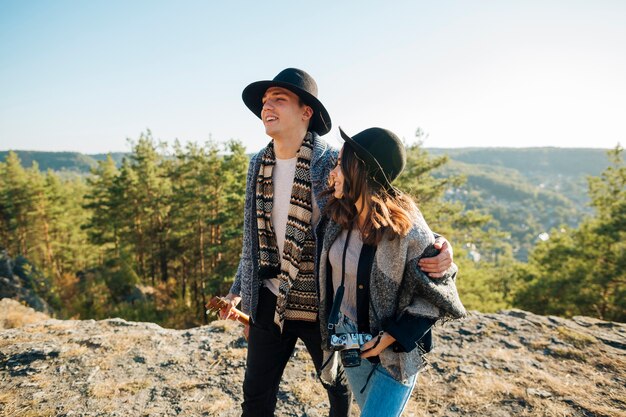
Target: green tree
{"x": 483, "y": 254}
{"x": 17, "y": 205}
{"x": 582, "y": 271}
{"x": 103, "y": 224}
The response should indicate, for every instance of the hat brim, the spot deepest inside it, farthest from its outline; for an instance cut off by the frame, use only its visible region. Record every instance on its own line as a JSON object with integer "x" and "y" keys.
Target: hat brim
{"x": 376, "y": 171}
{"x": 253, "y": 94}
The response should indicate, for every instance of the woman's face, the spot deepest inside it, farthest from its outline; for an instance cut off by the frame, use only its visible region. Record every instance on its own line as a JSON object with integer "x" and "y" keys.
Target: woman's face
{"x": 337, "y": 178}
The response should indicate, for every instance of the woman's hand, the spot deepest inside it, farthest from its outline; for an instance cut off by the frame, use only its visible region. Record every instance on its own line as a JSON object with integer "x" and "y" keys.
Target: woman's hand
{"x": 377, "y": 345}
{"x": 437, "y": 265}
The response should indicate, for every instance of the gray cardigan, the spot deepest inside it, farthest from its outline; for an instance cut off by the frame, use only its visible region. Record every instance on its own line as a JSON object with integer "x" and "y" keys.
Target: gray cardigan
{"x": 247, "y": 283}
{"x": 397, "y": 287}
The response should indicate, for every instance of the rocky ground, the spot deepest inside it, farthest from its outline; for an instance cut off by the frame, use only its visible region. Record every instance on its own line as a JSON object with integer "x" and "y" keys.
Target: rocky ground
{"x": 512, "y": 363}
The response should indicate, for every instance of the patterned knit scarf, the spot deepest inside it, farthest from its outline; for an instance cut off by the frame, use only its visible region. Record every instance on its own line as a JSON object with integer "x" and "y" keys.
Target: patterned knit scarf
{"x": 297, "y": 298}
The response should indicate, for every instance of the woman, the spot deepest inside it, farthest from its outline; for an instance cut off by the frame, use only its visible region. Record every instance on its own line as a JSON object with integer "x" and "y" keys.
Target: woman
{"x": 369, "y": 280}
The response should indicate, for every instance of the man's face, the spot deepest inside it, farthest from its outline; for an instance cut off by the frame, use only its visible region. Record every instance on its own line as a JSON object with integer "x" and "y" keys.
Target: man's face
{"x": 282, "y": 113}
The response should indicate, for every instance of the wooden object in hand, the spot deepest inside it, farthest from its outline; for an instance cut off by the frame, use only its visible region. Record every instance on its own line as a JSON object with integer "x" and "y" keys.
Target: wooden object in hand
{"x": 218, "y": 303}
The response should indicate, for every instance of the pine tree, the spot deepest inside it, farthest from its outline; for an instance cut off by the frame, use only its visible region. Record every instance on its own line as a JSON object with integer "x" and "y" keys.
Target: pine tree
{"x": 17, "y": 205}
{"x": 483, "y": 254}
{"x": 103, "y": 225}
{"x": 581, "y": 271}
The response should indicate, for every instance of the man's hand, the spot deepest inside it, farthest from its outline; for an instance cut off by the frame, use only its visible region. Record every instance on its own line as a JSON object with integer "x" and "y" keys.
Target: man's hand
{"x": 436, "y": 266}
{"x": 377, "y": 345}
{"x": 232, "y": 301}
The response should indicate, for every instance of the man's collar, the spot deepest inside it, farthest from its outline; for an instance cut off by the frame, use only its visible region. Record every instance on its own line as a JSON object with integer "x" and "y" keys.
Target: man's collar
{"x": 319, "y": 147}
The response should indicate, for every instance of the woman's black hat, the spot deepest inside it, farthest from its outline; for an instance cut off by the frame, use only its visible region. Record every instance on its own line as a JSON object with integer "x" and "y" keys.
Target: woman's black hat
{"x": 381, "y": 151}
{"x": 298, "y": 82}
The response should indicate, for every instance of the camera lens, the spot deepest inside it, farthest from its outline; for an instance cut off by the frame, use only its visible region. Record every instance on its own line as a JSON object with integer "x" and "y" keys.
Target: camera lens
{"x": 350, "y": 358}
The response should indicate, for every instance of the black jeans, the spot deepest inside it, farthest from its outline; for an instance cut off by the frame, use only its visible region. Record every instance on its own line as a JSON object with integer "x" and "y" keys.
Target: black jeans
{"x": 268, "y": 354}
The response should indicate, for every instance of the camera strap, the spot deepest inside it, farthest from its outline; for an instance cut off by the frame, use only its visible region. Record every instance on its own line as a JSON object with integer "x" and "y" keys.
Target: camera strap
{"x": 334, "y": 311}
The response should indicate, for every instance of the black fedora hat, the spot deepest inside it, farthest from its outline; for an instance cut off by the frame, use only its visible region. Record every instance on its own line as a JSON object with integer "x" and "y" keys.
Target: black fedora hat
{"x": 298, "y": 82}
{"x": 381, "y": 151}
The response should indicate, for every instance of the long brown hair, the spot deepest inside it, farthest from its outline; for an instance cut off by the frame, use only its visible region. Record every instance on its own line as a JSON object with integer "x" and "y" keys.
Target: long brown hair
{"x": 386, "y": 211}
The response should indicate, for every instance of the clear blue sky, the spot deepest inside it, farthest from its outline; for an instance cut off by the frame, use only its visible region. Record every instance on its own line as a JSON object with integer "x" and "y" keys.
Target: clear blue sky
{"x": 86, "y": 75}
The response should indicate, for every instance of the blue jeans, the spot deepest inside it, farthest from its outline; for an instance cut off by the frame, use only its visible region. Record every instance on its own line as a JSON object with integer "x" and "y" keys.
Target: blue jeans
{"x": 383, "y": 394}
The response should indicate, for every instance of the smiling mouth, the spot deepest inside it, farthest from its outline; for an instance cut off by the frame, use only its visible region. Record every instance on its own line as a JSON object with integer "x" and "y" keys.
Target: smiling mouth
{"x": 270, "y": 118}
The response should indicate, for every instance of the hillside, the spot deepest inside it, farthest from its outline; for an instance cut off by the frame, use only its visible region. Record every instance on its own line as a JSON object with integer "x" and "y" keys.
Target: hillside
{"x": 529, "y": 162}
{"x": 533, "y": 161}
{"x": 527, "y": 191}
{"x": 557, "y": 174}
{"x": 512, "y": 363}
{"x": 63, "y": 161}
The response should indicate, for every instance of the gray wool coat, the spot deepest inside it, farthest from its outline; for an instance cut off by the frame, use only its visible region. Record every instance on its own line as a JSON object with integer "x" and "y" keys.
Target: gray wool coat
{"x": 247, "y": 282}
{"x": 397, "y": 287}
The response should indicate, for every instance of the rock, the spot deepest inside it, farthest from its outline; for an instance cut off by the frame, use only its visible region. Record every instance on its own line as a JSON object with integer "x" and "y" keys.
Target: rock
{"x": 14, "y": 314}
{"x": 6, "y": 264}
{"x": 538, "y": 392}
{"x": 17, "y": 279}
{"x": 511, "y": 344}
{"x": 469, "y": 370}
{"x": 487, "y": 365}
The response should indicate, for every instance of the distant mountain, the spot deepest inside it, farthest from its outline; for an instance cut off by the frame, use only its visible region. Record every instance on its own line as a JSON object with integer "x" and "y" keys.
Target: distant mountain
{"x": 538, "y": 161}
{"x": 515, "y": 174}
{"x": 527, "y": 191}
{"x": 63, "y": 161}
{"x": 531, "y": 162}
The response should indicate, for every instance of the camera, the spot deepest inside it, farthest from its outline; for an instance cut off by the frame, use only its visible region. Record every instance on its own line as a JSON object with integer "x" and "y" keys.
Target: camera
{"x": 349, "y": 346}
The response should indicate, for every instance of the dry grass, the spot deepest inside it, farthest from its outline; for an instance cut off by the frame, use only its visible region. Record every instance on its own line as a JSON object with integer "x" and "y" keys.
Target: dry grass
{"x": 190, "y": 385}
{"x": 35, "y": 412}
{"x": 562, "y": 382}
{"x": 13, "y": 315}
{"x": 237, "y": 354}
{"x": 13, "y": 341}
{"x": 540, "y": 344}
{"x": 577, "y": 339}
{"x": 227, "y": 326}
{"x": 502, "y": 354}
{"x": 103, "y": 389}
{"x": 107, "y": 389}
{"x": 214, "y": 403}
{"x": 52, "y": 326}
{"x": 308, "y": 390}
{"x": 568, "y": 353}
{"x": 12, "y": 405}
{"x": 133, "y": 387}
{"x": 74, "y": 351}
{"x": 479, "y": 392}
{"x": 607, "y": 364}
{"x": 485, "y": 390}
{"x": 42, "y": 380}
{"x": 126, "y": 342}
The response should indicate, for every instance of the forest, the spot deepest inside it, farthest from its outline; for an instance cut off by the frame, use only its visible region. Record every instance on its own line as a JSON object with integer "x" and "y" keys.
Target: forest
{"x": 152, "y": 234}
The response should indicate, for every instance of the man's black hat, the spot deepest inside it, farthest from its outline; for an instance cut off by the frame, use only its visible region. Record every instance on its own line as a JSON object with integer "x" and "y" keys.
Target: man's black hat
{"x": 381, "y": 151}
{"x": 298, "y": 82}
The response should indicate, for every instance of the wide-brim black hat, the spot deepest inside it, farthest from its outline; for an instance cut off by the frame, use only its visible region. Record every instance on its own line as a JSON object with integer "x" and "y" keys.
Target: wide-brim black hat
{"x": 381, "y": 151}
{"x": 299, "y": 83}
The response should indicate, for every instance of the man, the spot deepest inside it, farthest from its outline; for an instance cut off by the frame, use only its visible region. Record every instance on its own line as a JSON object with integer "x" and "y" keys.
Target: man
{"x": 276, "y": 276}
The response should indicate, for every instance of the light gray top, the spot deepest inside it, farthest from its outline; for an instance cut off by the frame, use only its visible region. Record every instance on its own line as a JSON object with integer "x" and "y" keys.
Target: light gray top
{"x": 335, "y": 255}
